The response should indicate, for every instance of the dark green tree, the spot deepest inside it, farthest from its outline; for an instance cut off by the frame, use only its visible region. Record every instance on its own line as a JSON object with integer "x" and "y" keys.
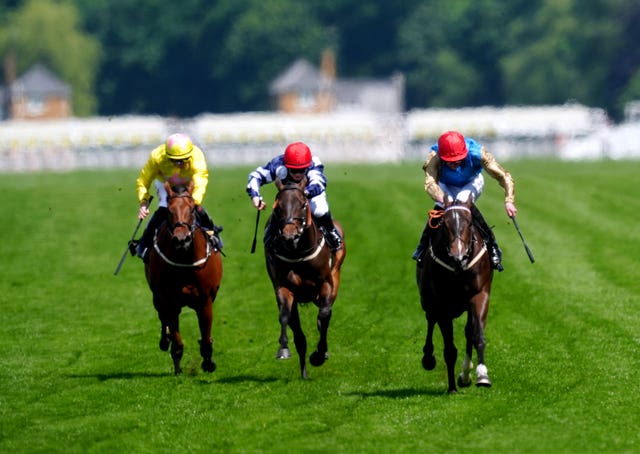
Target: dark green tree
{"x": 50, "y": 32}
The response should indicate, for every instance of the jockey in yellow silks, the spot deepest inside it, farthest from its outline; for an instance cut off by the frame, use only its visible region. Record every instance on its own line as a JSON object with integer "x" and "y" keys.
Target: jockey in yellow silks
{"x": 177, "y": 161}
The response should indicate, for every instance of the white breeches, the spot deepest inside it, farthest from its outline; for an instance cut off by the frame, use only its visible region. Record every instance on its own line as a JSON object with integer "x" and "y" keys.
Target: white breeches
{"x": 319, "y": 205}
{"x": 162, "y": 193}
{"x": 472, "y": 189}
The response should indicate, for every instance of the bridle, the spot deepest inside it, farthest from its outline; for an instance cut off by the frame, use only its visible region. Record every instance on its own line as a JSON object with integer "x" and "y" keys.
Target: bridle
{"x": 466, "y": 264}
{"x": 302, "y": 220}
{"x": 190, "y": 226}
{"x": 301, "y": 223}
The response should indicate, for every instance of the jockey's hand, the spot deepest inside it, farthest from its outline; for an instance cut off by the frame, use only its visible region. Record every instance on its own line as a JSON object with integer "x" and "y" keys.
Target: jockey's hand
{"x": 143, "y": 212}
{"x": 258, "y": 203}
{"x": 511, "y": 209}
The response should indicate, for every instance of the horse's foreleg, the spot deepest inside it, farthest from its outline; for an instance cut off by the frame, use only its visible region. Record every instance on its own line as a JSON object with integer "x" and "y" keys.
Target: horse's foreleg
{"x": 478, "y": 322}
{"x": 284, "y": 312}
{"x": 450, "y": 352}
{"x": 428, "y": 358}
{"x": 205, "y": 322}
{"x": 299, "y": 339}
{"x": 464, "y": 377}
{"x": 165, "y": 332}
{"x": 322, "y": 354}
{"x": 177, "y": 349}
{"x": 177, "y": 346}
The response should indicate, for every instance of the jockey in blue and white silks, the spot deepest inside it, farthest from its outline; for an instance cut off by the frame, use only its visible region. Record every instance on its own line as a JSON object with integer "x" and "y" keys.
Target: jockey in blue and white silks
{"x": 294, "y": 164}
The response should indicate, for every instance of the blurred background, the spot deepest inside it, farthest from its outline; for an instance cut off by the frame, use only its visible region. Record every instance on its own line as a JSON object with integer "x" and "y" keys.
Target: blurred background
{"x": 98, "y": 83}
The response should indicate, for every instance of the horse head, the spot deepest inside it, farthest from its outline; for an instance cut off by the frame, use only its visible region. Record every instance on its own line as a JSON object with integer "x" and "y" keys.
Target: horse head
{"x": 291, "y": 210}
{"x": 181, "y": 215}
{"x": 457, "y": 220}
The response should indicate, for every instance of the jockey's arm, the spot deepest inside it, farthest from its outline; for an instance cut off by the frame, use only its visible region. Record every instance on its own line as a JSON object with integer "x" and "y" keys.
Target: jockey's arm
{"x": 503, "y": 177}
{"x": 200, "y": 176}
{"x": 431, "y": 169}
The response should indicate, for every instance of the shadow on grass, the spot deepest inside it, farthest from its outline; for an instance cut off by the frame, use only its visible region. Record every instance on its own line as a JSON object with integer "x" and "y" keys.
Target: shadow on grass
{"x": 400, "y": 393}
{"x": 135, "y": 375}
{"x": 121, "y": 375}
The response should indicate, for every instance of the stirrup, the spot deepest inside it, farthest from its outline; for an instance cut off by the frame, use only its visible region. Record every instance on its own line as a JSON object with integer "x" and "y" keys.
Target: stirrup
{"x": 496, "y": 260}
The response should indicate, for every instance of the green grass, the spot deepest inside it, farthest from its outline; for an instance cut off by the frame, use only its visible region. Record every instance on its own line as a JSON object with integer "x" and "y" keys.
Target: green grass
{"x": 81, "y": 370}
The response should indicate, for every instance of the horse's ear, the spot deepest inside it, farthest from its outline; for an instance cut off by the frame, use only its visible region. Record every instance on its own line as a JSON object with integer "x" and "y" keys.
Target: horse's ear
{"x": 190, "y": 186}
{"x": 279, "y": 184}
{"x": 168, "y": 187}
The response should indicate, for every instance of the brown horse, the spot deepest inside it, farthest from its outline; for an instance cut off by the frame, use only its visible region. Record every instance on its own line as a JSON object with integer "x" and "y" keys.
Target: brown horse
{"x": 184, "y": 269}
{"x": 302, "y": 269}
{"x": 455, "y": 278}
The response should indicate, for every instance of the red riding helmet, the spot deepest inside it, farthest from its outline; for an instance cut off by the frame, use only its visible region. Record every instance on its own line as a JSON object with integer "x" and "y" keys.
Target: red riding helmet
{"x": 452, "y": 147}
{"x": 297, "y": 156}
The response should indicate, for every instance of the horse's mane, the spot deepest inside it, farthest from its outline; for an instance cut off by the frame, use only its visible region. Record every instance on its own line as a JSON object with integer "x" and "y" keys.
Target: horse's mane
{"x": 180, "y": 188}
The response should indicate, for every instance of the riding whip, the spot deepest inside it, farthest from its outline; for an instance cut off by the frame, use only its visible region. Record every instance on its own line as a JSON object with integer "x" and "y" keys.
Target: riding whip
{"x": 524, "y": 243}
{"x": 133, "y": 237}
{"x": 255, "y": 234}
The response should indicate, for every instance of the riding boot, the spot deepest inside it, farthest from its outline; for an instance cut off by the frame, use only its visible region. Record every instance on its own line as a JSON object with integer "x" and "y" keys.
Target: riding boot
{"x": 203, "y": 218}
{"x": 325, "y": 222}
{"x": 422, "y": 244}
{"x": 489, "y": 239}
{"x": 142, "y": 245}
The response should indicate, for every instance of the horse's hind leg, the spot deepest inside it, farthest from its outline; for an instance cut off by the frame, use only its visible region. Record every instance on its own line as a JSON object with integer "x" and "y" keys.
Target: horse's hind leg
{"x": 321, "y": 354}
{"x": 205, "y": 321}
{"x": 428, "y": 358}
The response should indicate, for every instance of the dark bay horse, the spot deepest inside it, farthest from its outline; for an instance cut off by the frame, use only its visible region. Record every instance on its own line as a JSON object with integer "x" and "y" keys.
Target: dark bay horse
{"x": 302, "y": 269}
{"x": 184, "y": 270}
{"x": 455, "y": 278}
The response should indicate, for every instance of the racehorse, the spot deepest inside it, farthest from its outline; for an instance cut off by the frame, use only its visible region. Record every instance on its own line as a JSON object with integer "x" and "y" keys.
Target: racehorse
{"x": 302, "y": 269}
{"x": 184, "y": 270}
{"x": 455, "y": 278}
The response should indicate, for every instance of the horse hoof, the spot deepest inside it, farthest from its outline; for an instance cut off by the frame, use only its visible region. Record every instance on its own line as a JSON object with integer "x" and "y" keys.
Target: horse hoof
{"x": 316, "y": 359}
{"x": 463, "y": 381}
{"x": 483, "y": 381}
{"x": 283, "y": 353}
{"x": 164, "y": 343}
{"x": 177, "y": 372}
{"x": 451, "y": 392}
{"x": 209, "y": 366}
{"x": 429, "y": 362}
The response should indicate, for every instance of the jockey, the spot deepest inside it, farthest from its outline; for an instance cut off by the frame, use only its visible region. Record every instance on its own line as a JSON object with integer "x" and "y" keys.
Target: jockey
{"x": 453, "y": 168}
{"x": 177, "y": 161}
{"x": 293, "y": 165}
